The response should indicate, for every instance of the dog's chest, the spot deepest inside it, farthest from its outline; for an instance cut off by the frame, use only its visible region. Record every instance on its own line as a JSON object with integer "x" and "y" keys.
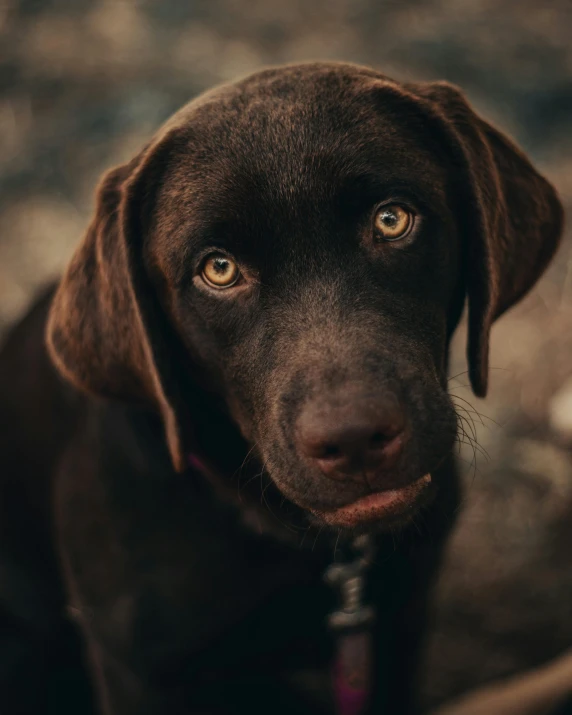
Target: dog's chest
{"x": 241, "y": 605}
{"x": 172, "y": 578}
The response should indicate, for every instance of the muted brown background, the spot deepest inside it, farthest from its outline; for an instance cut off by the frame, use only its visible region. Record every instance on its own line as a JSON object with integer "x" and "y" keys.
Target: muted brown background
{"x": 83, "y": 83}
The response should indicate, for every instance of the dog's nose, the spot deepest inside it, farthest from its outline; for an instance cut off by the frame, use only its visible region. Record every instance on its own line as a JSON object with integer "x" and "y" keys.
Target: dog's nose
{"x": 354, "y": 441}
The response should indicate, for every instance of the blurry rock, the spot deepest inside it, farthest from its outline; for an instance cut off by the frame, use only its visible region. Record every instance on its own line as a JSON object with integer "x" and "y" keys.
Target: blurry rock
{"x": 560, "y": 411}
{"x": 38, "y": 230}
{"x": 502, "y": 604}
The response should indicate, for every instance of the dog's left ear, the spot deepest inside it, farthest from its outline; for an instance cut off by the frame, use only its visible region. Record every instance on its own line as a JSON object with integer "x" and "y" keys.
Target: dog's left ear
{"x": 513, "y": 217}
{"x": 107, "y": 333}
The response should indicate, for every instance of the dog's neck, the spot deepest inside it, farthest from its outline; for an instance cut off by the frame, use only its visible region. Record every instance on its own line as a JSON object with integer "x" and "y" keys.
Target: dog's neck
{"x": 351, "y": 623}
{"x": 259, "y": 516}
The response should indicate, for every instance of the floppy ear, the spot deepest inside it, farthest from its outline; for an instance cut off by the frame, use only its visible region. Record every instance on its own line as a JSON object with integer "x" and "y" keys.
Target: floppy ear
{"x": 106, "y": 332}
{"x": 513, "y": 217}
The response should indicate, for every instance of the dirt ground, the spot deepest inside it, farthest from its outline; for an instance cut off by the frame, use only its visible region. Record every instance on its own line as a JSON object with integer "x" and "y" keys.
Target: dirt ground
{"x": 83, "y": 83}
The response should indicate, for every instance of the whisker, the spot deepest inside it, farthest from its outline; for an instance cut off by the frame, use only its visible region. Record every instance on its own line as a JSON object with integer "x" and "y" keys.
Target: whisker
{"x": 416, "y": 525}
{"x": 469, "y": 422}
{"x": 306, "y": 531}
{"x": 336, "y": 544}
{"x": 264, "y": 500}
{"x": 477, "y": 447}
{"x": 252, "y": 478}
{"x": 238, "y": 472}
{"x": 458, "y": 397}
{"x": 317, "y": 535}
{"x": 483, "y": 416}
{"x": 472, "y": 464}
{"x": 248, "y": 454}
{"x": 454, "y": 377}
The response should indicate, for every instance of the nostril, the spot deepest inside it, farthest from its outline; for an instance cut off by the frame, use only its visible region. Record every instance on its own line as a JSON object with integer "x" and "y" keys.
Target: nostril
{"x": 377, "y": 440}
{"x": 316, "y": 448}
{"x": 331, "y": 451}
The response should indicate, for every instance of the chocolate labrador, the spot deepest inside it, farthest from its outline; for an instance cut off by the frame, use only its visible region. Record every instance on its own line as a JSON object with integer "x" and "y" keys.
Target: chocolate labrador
{"x": 244, "y": 368}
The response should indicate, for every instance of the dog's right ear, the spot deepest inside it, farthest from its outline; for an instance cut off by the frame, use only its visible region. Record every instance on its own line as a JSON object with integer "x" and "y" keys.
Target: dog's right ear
{"x": 106, "y": 332}
{"x": 513, "y": 216}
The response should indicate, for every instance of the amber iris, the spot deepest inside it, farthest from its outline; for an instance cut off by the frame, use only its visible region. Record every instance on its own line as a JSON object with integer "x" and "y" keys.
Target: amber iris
{"x": 219, "y": 271}
{"x": 393, "y": 222}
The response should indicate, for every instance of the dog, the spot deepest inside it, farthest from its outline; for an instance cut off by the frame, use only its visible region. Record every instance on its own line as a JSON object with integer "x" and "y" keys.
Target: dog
{"x": 243, "y": 368}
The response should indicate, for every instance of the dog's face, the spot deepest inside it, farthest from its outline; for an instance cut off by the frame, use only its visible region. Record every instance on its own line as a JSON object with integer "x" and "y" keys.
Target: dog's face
{"x": 306, "y": 238}
{"x": 320, "y": 265}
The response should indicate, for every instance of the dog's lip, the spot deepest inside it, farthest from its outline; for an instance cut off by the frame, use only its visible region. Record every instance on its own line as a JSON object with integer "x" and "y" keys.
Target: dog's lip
{"x": 377, "y": 506}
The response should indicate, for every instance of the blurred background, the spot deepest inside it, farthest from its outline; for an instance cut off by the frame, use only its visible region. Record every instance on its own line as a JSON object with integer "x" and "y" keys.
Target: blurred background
{"x": 84, "y": 83}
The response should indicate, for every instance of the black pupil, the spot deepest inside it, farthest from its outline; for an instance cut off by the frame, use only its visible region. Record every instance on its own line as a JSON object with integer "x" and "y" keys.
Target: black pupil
{"x": 389, "y": 219}
{"x": 221, "y": 266}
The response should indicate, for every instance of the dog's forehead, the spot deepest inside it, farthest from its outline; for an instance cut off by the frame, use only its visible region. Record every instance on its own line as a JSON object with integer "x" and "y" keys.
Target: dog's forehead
{"x": 286, "y": 132}
{"x": 260, "y": 163}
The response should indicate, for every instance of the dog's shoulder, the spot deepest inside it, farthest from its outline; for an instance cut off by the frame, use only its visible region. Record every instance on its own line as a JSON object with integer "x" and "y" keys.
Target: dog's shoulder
{"x": 36, "y": 405}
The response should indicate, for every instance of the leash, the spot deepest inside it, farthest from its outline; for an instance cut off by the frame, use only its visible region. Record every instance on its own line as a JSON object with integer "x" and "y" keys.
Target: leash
{"x": 351, "y": 624}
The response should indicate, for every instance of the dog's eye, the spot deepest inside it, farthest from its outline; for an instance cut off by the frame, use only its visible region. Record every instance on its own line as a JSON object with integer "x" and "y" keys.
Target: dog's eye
{"x": 219, "y": 271}
{"x": 393, "y": 222}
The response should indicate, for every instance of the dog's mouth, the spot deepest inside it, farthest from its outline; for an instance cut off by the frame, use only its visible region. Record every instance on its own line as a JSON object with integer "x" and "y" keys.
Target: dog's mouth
{"x": 381, "y": 506}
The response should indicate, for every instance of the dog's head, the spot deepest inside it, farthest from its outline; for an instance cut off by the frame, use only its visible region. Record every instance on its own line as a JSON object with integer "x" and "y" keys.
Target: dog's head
{"x": 299, "y": 246}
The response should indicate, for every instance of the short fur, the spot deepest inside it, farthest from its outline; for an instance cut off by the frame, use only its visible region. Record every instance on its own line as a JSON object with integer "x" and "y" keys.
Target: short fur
{"x": 190, "y": 596}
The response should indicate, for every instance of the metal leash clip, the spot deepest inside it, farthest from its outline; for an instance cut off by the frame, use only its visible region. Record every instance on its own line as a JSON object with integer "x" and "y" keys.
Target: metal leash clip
{"x": 349, "y": 577}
